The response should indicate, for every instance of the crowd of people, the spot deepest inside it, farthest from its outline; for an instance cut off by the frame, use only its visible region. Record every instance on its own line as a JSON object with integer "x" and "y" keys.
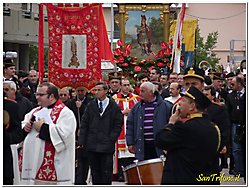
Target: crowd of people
{"x": 196, "y": 120}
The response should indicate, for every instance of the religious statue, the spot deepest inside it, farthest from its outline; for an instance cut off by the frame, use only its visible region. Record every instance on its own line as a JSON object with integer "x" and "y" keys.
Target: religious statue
{"x": 144, "y": 36}
{"x": 74, "y": 58}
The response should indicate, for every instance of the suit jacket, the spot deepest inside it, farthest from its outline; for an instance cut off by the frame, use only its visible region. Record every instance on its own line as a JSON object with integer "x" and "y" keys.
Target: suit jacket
{"x": 99, "y": 133}
{"x": 237, "y": 108}
{"x": 12, "y": 135}
{"x": 71, "y": 104}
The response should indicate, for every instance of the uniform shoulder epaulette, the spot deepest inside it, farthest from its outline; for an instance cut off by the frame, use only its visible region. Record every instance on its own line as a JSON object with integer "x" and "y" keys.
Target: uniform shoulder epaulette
{"x": 6, "y": 98}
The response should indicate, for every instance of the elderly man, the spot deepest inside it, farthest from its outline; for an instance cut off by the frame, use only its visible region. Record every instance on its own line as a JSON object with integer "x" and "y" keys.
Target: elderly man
{"x": 24, "y": 105}
{"x": 49, "y": 148}
{"x": 144, "y": 121}
{"x": 12, "y": 134}
{"x": 191, "y": 142}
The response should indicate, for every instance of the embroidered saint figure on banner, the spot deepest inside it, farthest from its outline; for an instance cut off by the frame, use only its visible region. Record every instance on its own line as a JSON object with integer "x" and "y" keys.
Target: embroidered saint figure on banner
{"x": 74, "y": 51}
{"x": 74, "y": 58}
{"x": 78, "y": 42}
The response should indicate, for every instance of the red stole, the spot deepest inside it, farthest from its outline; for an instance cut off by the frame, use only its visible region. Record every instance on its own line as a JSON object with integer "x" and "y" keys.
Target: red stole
{"x": 132, "y": 99}
{"x": 20, "y": 155}
{"x": 47, "y": 171}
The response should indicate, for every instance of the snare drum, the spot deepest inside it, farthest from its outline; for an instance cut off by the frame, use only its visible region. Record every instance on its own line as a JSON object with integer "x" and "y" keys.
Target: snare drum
{"x": 148, "y": 172}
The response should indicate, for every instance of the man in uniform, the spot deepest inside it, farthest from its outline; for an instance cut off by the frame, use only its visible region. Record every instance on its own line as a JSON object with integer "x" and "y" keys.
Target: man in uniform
{"x": 195, "y": 77}
{"x": 191, "y": 141}
{"x": 218, "y": 113}
{"x": 9, "y": 71}
{"x": 221, "y": 94}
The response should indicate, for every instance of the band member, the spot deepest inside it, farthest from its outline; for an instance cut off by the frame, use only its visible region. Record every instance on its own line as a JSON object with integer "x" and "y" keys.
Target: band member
{"x": 221, "y": 93}
{"x": 218, "y": 114}
{"x": 191, "y": 141}
{"x": 9, "y": 72}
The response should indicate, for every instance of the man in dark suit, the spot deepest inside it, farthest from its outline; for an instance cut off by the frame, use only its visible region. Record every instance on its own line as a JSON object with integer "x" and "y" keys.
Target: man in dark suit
{"x": 191, "y": 142}
{"x": 236, "y": 104}
{"x": 100, "y": 128}
{"x": 78, "y": 106}
{"x": 12, "y": 135}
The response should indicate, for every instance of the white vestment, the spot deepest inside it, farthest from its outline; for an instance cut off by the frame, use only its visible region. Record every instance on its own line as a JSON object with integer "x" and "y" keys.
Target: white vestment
{"x": 172, "y": 99}
{"x": 62, "y": 134}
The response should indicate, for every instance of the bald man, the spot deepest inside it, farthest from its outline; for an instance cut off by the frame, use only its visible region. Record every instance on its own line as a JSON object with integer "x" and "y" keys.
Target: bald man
{"x": 145, "y": 119}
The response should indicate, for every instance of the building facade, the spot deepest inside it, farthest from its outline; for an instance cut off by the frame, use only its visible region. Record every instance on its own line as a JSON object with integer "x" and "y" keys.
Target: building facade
{"x": 21, "y": 23}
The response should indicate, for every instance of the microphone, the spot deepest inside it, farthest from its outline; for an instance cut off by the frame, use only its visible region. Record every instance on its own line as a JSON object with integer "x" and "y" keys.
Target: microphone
{"x": 32, "y": 119}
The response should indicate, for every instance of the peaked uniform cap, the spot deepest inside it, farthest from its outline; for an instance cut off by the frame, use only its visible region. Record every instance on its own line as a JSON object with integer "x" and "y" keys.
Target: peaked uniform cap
{"x": 197, "y": 96}
{"x": 115, "y": 75}
{"x": 194, "y": 72}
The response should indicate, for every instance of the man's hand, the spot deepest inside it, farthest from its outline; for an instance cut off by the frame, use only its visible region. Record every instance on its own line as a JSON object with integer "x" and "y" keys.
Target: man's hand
{"x": 224, "y": 150}
{"x": 80, "y": 146}
{"x": 28, "y": 127}
{"x": 126, "y": 111}
{"x": 78, "y": 104}
{"x": 131, "y": 149}
{"x": 38, "y": 124}
{"x": 174, "y": 117}
{"x": 78, "y": 132}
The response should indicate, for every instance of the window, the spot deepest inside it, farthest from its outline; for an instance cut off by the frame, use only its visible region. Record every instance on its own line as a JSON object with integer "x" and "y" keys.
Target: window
{"x": 26, "y": 10}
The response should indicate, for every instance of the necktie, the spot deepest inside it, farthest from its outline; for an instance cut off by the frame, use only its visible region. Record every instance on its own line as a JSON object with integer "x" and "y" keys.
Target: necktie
{"x": 238, "y": 94}
{"x": 100, "y": 107}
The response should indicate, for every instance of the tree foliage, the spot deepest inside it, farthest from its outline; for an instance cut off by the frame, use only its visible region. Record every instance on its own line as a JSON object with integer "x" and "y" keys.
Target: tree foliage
{"x": 33, "y": 57}
{"x": 156, "y": 26}
{"x": 205, "y": 49}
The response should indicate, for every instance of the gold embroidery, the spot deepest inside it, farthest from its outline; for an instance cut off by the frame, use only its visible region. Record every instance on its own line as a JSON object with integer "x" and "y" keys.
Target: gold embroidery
{"x": 195, "y": 115}
{"x": 126, "y": 99}
{"x": 219, "y": 136}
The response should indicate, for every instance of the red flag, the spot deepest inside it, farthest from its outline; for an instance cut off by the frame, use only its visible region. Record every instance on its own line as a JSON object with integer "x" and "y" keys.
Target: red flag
{"x": 77, "y": 43}
{"x": 41, "y": 44}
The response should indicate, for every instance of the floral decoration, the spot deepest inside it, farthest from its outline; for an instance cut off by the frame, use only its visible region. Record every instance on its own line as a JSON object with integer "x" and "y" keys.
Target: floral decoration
{"x": 131, "y": 65}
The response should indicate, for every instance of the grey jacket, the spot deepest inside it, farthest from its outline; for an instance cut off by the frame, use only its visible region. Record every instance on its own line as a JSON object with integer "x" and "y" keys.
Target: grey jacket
{"x": 135, "y": 125}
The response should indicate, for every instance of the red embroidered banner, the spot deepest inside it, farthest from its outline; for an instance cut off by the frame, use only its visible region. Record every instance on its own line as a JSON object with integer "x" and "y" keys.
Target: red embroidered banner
{"x": 77, "y": 43}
